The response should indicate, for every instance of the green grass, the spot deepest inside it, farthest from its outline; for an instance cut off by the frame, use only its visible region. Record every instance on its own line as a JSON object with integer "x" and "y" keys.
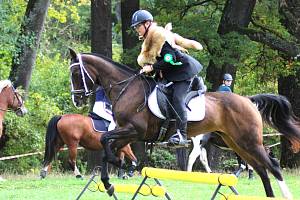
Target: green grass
{"x": 65, "y": 186}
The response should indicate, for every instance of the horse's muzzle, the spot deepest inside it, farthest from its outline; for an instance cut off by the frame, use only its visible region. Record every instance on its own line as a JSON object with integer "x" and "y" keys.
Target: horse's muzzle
{"x": 21, "y": 111}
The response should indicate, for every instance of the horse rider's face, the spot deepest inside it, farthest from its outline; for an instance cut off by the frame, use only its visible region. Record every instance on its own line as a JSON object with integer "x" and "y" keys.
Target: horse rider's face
{"x": 141, "y": 28}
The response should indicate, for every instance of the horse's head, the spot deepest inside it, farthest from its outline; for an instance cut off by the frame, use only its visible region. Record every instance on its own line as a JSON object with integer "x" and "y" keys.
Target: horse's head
{"x": 13, "y": 100}
{"x": 18, "y": 103}
{"x": 82, "y": 83}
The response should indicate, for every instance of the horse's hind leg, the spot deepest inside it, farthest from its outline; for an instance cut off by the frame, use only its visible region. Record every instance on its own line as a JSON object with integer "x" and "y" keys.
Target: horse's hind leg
{"x": 273, "y": 166}
{"x": 256, "y": 155}
{"x": 72, "y": 160}
{"x": 49, "y": 158}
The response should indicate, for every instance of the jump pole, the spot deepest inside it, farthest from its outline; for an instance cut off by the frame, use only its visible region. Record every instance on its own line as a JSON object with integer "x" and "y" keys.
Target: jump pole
{"x": 219, "y": 179}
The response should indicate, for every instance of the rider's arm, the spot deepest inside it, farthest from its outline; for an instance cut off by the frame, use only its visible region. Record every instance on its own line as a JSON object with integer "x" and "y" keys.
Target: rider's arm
{"x": 167, "y": 57}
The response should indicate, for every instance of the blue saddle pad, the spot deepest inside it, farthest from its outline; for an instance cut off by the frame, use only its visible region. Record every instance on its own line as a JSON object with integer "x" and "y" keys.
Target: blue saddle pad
{"x": 99, "y": 124}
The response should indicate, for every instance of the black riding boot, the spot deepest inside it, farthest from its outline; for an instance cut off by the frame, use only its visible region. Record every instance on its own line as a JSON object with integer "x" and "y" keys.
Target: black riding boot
{"x": 179, "y": 93}
{"x": 180, "y": 137}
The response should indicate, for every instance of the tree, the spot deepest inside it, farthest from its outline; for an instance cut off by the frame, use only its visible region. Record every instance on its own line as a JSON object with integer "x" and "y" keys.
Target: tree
{"x": 28, "y": 41}
{"x": 235, "y": 14}
{"x": 101, "y": 33}
{"x": 101, "y": 42}
{"x": 129, "y": 39}
{"x": 289, "y": 86}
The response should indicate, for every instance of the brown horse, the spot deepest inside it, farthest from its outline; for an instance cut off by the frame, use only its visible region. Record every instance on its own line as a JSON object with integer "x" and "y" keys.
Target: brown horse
{"x": 235, "y": 117}
{"x": 74, "y": 130}
{"x": 10, "y": 100}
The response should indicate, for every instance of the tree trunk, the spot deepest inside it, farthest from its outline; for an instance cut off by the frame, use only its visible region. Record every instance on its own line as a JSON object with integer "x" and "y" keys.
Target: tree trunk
{"x": 27, "y": 43}
{"x": 129, "y": 39}
{"x": 290, "y": 86}
{"x": 101, "y": 42}
{"x": 101, "y": 27}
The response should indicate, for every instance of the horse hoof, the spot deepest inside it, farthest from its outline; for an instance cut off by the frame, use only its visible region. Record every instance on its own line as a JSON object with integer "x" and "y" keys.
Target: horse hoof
{"x": 130, "y": 174}
{"x": 110, "y": 190}
{"x": 79, "y": 176}
{"x": 43, "y": 174}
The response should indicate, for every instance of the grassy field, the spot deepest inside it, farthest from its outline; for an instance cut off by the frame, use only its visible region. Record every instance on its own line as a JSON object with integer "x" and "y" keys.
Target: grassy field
{"x": 63, "y": 187}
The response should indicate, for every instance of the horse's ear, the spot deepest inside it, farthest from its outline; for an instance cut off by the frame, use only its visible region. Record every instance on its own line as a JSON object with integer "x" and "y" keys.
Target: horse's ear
{"x": 73, "y": 53}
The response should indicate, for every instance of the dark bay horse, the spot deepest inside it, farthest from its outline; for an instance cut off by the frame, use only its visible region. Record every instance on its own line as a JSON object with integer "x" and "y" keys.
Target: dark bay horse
{"x": 235, "y": 117}
{"x": 74, "y": 130}
{"x": 10, "y": 100}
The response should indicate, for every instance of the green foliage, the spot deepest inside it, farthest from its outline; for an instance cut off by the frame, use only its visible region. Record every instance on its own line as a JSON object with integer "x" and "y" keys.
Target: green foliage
{"x": 163, "y": 158}
{"x": 11, "y": 13}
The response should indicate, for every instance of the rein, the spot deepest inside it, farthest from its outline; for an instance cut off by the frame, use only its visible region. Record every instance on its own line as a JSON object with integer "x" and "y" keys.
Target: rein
{"x": 129, "y": 81}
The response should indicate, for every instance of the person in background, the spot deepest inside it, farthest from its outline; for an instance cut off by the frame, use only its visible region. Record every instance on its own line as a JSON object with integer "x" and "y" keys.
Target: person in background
{"x": 225, "y": 87}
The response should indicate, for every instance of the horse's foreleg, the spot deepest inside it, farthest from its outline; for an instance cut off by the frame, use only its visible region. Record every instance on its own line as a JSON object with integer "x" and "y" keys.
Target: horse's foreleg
{"x": 121, "y": 171}
{"x": 105, "y": 177}
{"x": 120, "y": 134}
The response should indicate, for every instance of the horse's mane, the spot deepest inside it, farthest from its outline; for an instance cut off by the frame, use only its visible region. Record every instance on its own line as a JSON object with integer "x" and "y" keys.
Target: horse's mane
{"x": 119, "y": 65}
{"x": 125, "y": 68}
{"x": 4, "y": 83}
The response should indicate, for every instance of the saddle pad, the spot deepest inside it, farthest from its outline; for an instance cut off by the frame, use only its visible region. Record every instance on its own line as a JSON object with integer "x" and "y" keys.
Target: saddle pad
{"x": 196, "y": 104}
{"x": 99, "y": 125}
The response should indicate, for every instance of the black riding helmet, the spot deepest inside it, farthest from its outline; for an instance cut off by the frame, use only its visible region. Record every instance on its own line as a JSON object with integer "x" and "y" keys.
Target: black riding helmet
{"x": 140, "y": 16}
{"x": 227, "y": 77}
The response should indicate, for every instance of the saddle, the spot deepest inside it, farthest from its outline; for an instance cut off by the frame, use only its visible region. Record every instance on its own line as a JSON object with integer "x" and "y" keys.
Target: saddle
{"x": 160, "y": 106}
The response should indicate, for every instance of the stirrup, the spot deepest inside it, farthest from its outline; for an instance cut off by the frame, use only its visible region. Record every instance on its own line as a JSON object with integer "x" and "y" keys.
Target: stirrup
{"x": 177, "y": 139}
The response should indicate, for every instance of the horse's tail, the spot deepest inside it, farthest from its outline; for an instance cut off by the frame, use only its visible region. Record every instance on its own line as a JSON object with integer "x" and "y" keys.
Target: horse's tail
{"x": 277, "y": 111}
{"x": 50, "y": 141}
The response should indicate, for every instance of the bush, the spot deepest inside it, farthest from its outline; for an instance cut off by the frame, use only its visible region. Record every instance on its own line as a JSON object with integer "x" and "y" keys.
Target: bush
{"x": 163, "y": 158}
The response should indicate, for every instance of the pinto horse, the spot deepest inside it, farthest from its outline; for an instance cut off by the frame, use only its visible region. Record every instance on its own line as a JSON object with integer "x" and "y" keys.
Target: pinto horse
{"x": 238, "y": 119}
{"x": 10, "y": 100}
{"x": 74, "y": 130}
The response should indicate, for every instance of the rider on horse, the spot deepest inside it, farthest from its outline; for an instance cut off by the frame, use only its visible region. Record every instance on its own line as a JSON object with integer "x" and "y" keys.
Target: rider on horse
{"x": 159, "y": 53}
